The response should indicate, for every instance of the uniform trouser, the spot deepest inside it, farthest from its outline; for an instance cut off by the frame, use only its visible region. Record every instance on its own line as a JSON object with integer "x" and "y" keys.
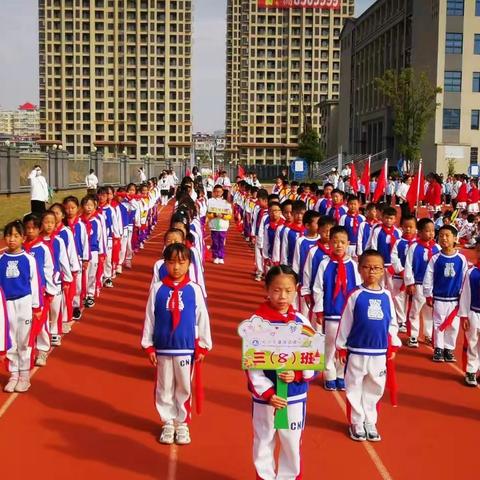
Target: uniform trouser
{"x": 124, "y": 247}
{"x": 92, "y": 274}
{"x": 43, "y": 339}
{"x": 448, "y": 338}
{"x": 258, "y": 260}
{"x": 129, "y": 250}
{"x": 173, "y": 390}
{"x": 419, "y": 306}
{"x": 352, "y": 251}
{"x": 365, "y": 377}
{"x": 333, "y": 368}
{"x": 399, "y": 297}
{"x": 289, "y": 460}
{"x": 20, "y": 316}
{"x": 473, "y": 343}
{"x": 107, "y": 272}
{"x": 78, "y": 291}
{"x": 218, "y": 243}
{"x": 55, "y": 315}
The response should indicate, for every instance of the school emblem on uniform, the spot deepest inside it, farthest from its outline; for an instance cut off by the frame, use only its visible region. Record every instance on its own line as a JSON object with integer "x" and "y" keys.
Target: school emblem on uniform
{"x": 375, "y": 309}
{"x": 12, "y": 269}
{"x": 449, "y": 270}
{"x": 180, "y": 301}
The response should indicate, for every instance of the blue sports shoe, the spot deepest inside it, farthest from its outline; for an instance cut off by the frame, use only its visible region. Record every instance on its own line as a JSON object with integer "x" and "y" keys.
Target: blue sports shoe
{"x": 340, "y": 384}
{"x": 330, "y": 385}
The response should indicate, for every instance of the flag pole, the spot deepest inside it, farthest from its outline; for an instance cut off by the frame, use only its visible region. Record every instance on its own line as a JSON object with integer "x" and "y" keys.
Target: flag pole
{"x": 419, "y": 174}
{"x": 386, "y": 180}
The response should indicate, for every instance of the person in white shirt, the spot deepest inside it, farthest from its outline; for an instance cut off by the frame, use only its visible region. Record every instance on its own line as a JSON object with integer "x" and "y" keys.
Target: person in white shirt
{"x": 226, "y": 184}
{"x": 141, "y": 175}
{"x": 91, "y": 181}
{"x": 38, "y": 191}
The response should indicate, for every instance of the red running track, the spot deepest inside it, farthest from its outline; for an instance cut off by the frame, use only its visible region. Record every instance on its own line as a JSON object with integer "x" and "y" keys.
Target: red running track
{"x": 90, "y": 413}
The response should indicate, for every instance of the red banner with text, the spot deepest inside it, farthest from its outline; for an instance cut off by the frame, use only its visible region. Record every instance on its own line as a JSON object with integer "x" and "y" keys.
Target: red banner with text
{"x": 321, "y": 4}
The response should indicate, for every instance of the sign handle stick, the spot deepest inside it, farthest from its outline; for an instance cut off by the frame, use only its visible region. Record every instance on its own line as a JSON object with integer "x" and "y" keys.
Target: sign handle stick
{"x": 281, "y": 416}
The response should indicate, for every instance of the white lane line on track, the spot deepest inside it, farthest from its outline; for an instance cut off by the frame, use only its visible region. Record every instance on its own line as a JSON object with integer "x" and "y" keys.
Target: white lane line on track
{"x": 13, "y": 396}
{"x": 172, "y": 463}
{"x": 372, "y": 453}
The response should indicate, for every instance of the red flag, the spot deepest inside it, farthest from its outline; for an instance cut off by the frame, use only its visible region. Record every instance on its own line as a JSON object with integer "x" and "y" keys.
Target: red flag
{"x": 365, "y": 180}
{"x": 381, "y": 183}
{"x": 241, "y": 172}
{"x": 188, "y": 173}
{"x": 416, "y": 192}
{"x": 353, "y": 178}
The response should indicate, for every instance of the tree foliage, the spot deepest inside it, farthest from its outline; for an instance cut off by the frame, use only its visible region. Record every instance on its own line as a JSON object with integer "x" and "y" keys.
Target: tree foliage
{"x": 309, "y": 147}
{"x": 414, "y": 101}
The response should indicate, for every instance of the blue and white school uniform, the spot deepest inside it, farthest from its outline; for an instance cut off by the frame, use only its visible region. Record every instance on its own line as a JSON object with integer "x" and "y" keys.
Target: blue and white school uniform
{"x": 289, "y": 240}
{"x": 112, "y": 230}
{"x": 364, "y": 232}
{"x": 443, "y": 281}
{"x": 416, "y": 263}
{"x": 324, "y": 302}
{"x": 348, "y": 222}
{"x": 469, "y": 307}
{"x": 310, "y": 269}
{"x": 19, "y": 282}
{"x": 175, "y": 348}
{"x": 367, "y": 323}
{"x": 336, "y": 212}
{"x": 4, "y": 333}
{"x": 97, "y": 247}
{"x": 261, "y": 219}
{"x": 82, "y": 246}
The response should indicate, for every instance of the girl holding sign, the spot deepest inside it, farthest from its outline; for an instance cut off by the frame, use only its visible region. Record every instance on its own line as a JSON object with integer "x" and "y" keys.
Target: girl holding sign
{"x": 281, "y": 284}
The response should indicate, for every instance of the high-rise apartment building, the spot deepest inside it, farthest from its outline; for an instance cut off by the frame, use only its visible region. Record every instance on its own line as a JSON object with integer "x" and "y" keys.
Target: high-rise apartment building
{"x": 116, "y": 74}
{"x": 22, "y": 122}
{"x": 281, "y": 64}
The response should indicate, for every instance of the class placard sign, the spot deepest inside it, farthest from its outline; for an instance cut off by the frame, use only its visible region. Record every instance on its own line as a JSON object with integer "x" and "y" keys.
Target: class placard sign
{"x": 219, "y": 211}
{"x": 273, "y": 346}
{"x": 319, "y": 4}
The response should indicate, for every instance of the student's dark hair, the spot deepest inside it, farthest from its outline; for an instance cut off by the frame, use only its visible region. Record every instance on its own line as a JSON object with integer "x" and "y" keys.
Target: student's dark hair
{"x": 471, "y": 218}
{"x": 179, "y": 217}
{"x": 47, "y": 214}
{"x": 101, "y": 190}
{"x": 352, "y": 198}
{"x": 298, "y": 206}
{"x": 370, "y": 206}
{"x": 273, "y": 202}
{"x": 328, "y": 184}
{"x": 337, "y": 190}
{"x": 323, "y": 221}
{"x": 254, "y": 189}
{"x": 294, "y": 184}
{"x": 422, "y": 223}
{"x": 262, "y": 194}
{"x": 178, "y": 250}
{"x": 31, "y": 217}
{"x": 12, "y": 226}
{"x": 450, "y": 228}
{"x": 280, "y": 270}
{"x": 310, "y": 216}
{"x": 273, "y": 196}
{"x": 218, "y": 186}
{"x": 121, "y": 189}
{"x": 132, "y": 185}
{"x": 88, "y": 198}
{"x": 62, "y": 209}
{"x": 286, "y": 203}
{"x": 369, "y": 253}
{"x": 389, "y": 212}
{"x": 448, "y": 214}
{"x": 91, "y": 170}
{"x": 71, "y": 199}
{"x": 338, "y": 229}
{"x": 174, "y": 230}
{"x": 409, "y": 217}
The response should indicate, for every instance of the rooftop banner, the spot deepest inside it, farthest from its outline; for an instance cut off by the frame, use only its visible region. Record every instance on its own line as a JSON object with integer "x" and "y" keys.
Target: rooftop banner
{"x": 320, "y": 4}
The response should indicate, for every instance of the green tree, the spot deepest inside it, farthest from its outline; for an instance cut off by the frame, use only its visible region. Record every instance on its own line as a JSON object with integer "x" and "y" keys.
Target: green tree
{"x": 413, "y": 99}
{"x": 309, "y": 147}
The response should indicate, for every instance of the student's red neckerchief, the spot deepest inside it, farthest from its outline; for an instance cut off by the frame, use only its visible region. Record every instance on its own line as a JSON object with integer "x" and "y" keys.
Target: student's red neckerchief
{"x": 174, "y": 301}
{"x": 27, "y": 246}
{"x": 328, "y": 202}
{"x": 297, "y": 228}
{"x": 427, "y": 246}
{"x": 355, "y": 222}
{"x": 409, "y": 238}
{"x": 341, "y": 283}
{"x": 390, "y": 231}
{"x": 325, "y": 248}
{"x": 87, "y": 219}
{"x": 336, "y": 212}
{"x": 266, "y": 311}
{"x": 72, "y": 223}
{"x": 275, "y": 225}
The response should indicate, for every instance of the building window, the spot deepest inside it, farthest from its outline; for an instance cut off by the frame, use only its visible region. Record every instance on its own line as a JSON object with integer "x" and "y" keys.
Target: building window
{"x": 455, "y": 7}
{"x": 473, "y": 155}
{"x": 454, "y": 43}
{"x": 451, "y": 118}
{"x": 476, "y": 82}
{"x": 475, "y": 119}
{"x": 476, "y": 44}
{"x": 477, "y": 8}
{"x": 453, "y": 81}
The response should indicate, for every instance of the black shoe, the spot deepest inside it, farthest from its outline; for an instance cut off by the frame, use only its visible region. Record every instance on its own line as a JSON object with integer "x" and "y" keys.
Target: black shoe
{"x": 89, "y": 302}
{"x": 448, "y": 355}
{"x": 438, "y": 355}
{"x": 108, "y": 283}
{"x": 77, "y": 314}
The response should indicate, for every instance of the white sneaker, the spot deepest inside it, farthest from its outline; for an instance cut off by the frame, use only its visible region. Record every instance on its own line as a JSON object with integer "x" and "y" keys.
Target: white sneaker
{"x": 372, "y": 433}
{"x": 119, "y": 270}
{"x": 182, "y": 435}
{"x": 168, "y": 434}
{"x": 56, "y": 340}
{"x": 402, "y": 328}
{"x": 41, "y": 360}
{"x": 66, "y": 327}
{"x": 127, "y": 264}
{"x": 221, "y": 261}
{"x": 12, "y": 383}
{"x": 216, "y": 261}
{"x": 23, "y": 383}
{"x": 258, "y": 277}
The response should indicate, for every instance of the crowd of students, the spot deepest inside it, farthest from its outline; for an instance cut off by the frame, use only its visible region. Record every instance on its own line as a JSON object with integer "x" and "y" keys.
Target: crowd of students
{"x": 56, "y": 263}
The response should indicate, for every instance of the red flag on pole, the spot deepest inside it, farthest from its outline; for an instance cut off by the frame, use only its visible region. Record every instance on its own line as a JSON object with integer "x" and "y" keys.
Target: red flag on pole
{"x": 353, "y": 178}
{"x": 381, "y": 183}
{"x": 416, "y": 192}
{"x": 241, "y": 172}
{"x": 365, "y": 180}
{"x": 188, "y": 173}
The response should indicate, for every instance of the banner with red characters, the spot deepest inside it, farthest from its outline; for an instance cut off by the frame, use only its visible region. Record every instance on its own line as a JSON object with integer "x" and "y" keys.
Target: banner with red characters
{"x": 320, "y": 4}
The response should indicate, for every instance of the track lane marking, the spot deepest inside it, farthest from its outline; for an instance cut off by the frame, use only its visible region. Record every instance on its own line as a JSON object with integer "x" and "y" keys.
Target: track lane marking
{"x": 172, "y": 462}
{"x": 13, "y": 396}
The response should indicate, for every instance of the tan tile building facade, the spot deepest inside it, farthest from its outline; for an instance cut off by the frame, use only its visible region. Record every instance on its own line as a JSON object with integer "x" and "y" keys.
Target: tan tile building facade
{"x": 281, "y": 64}
{"x": 116, "y": 74}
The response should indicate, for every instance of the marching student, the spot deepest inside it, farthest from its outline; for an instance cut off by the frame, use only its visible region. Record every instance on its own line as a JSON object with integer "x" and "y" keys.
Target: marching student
{"x": 43, "y": 257}
{"x": 19, "y": 283}
{"x": 287, "y": 214}
{"x": 259, "y": 218}
{"x": 352, "y": 221}
{"x": 442, "y": 287}
{"x": 176, "y": 335}
{"x": 292, "y": 232}
{"x": 416, "y": 261}
{"x": 336, "y": 278}
{"x": 365, "y": 228}
{"x": 219, "y": 213}
{"x": 281, "y": 286}
{"x": 469, "y": 313}
{"x": 275, "y": 222}
{"x": 338, "y": 208}
{"x": 164, "y": 186}
{"x": 324, "y": 202}
{"x": 397, "y": 270}
{"x": 368, "y": 334}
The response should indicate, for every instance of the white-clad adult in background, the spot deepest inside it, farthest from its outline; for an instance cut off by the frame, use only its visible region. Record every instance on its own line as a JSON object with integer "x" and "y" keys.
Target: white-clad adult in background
{"x": 256, "y": 181}
{"x": 38, "y": 191}
{"x": 226, "y": 184}
{"x": 142, "y": 178}
{"x": 91, "y": 181}
{"x": 346, "y": 171}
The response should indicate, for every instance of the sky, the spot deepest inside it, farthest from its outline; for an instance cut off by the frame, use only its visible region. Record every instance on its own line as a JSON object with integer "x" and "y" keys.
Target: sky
{"x": 19, "y": 58}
